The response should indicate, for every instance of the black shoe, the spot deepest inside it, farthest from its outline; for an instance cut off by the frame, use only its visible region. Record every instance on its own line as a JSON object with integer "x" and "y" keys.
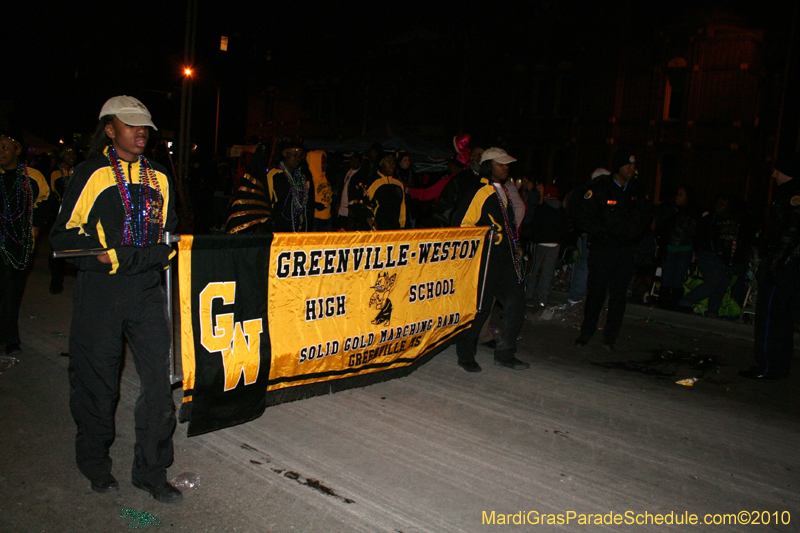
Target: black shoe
{"x": 470, "y": 366}
{"x": 162, "y": 492}
{"x": 512, "y": 363}
{"x": 608, "y": 345}
{"x": 104, "y": 484}
{"x": 11, "y": 348}
{"x": 583, "y": 339}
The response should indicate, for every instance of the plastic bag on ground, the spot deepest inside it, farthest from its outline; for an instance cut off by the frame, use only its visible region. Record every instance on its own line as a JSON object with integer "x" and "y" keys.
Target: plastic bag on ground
{"x": 185, "y": 480}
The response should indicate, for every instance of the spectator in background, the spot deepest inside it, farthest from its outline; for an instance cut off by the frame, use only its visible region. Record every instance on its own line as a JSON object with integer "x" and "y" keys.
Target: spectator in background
{"x": 461, "y": 187}
{"x": 404, "y": 171}
{"x": 422, "y": 199}
{"x": 580, "y": 276}
{"x": 550, "y": 226}
{"x": 343, "y": 211}
{"x": 724, "y": 238}
{"x": 318, "y": 167}
{"x": 676, "y": 228}
{"x": 58, "y": 181}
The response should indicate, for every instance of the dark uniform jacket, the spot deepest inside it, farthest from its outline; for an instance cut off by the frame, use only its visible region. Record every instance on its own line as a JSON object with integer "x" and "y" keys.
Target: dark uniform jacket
{"x": 92, "y": 216}
{"x": 611, "y": 215}
{"x": 783, "y": 232}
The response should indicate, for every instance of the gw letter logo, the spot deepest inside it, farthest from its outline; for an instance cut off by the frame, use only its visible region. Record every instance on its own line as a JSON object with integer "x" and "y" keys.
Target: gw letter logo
{"x": 239, "y": 342}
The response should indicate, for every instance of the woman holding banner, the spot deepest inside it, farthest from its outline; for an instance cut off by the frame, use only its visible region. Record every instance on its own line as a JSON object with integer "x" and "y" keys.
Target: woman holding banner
{"x": 119, "y": 204}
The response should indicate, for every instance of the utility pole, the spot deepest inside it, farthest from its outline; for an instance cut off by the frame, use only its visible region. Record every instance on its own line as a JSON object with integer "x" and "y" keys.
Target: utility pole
{"x": 185, "y": 139}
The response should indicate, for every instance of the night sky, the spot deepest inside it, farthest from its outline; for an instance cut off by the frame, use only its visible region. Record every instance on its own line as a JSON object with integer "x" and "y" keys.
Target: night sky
{"x": 62, "y": 61}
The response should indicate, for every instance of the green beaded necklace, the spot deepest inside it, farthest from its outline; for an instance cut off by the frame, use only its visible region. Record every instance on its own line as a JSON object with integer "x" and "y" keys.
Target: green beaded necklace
{"x": 16, "y": 219}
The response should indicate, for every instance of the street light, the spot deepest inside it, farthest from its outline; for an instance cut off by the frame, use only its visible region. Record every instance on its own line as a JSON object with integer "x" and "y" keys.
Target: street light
{"x": 186, "y": 112}
{"x": 186, "y": 120}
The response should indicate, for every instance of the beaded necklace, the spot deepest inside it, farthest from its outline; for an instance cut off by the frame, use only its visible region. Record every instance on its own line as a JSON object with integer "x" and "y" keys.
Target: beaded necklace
{"x": 511, "y": 229}
{"x": 140, "y": 216}
{"x": 297, "y": 198}
{"x": 16, "y": 221}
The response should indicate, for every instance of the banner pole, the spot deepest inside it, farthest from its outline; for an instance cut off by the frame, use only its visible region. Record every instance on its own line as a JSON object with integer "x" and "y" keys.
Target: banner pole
{"x": 486, "y": 267}
{"x": 173, "y": 379}
{"x": 68, "y": 254}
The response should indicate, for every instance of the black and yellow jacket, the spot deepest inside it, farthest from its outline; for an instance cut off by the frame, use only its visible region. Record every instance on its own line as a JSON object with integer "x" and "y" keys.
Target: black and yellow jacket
{"x": 58, "y": 182}
{"x": 485, "y": 209}
{"x": 92, "y": 216}
{"x": 387, "y": 199}
{"x": 39, "y": 189}
{"x": 40, "y": 192}
{"x": 321, "y": 187}
{"x": 261, "y": 204}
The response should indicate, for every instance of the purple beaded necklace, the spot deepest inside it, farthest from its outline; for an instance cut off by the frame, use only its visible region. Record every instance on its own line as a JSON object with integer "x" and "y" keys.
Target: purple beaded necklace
{"x": 511, "y": 230}
{"x": 136, "y": 229}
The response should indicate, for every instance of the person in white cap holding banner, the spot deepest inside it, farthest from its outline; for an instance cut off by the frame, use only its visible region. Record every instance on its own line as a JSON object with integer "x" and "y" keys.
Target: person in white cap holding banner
{"x": 491, "y": 205}
{"x": 120, "y": 202}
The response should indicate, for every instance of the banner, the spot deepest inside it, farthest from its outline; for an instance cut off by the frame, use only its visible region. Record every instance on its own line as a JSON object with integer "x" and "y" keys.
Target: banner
{"x": 271, "y": 319}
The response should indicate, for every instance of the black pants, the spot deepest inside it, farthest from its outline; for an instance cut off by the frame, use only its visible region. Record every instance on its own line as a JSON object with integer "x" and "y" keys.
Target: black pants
{"x": 12, "y": 286}
{"x": 610, "y": 271}
{"x": 107, "y": 309}
{"x": 501, "y": 283}
{"x": 58, "y": 268}
{"x": 773, "y": 337}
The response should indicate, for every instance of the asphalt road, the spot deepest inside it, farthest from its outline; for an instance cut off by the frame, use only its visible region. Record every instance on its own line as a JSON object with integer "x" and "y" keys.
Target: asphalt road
{"x": 584, "y": 434}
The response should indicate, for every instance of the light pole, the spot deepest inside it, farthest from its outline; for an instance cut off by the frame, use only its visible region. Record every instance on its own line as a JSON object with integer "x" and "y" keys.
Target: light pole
{"x": 184, "y": 141}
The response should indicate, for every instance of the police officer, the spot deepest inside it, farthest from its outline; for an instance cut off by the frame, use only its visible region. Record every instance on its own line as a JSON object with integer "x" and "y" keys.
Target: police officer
{"x": 778, "y": 277}
{"x": 615, "y": 212}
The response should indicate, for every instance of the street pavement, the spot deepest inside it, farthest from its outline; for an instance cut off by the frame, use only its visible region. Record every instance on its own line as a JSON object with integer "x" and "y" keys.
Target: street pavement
{"x": 583, "y": 434}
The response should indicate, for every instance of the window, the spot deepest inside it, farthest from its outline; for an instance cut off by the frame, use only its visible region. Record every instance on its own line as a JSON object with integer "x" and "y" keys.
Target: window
{"x": 675, "y": 90}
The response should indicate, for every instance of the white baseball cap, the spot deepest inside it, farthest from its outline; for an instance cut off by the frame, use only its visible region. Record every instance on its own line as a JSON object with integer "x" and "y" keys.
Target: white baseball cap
{"x": 497, "y": 154}
{"x": 129, "y": 110}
